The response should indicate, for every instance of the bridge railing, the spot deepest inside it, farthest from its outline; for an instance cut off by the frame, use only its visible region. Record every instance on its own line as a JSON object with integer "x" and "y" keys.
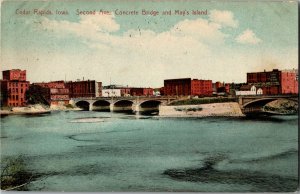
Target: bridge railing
{"x": 125, "y": 97}
{"x": 270, "y": 96}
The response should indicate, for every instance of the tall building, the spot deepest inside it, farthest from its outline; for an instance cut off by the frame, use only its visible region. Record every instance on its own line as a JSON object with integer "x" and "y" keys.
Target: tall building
{"x": 201, "y": 87}
{"x": 85, "y": 88}
{"x": 187, "y": 87}
{"x": 275, "y": 82}
{"x": 177, "y": 87}
{"x": 13, "y": 88}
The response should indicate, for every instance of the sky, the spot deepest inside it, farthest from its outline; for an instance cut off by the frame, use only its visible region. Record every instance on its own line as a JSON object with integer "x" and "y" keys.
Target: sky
{"x": 233, "y": 38}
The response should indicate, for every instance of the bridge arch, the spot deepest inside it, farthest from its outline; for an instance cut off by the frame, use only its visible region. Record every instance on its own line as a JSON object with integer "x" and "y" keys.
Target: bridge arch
{"x": 257, "y": 106}
{"x": 122, "y": 106}
{"x": 259, "y": 102}
{"x": 101, "y": 105}
{"x": 149, "y": 107}
{"x": 84, "y": 105}
{"x": 150, "y": 103}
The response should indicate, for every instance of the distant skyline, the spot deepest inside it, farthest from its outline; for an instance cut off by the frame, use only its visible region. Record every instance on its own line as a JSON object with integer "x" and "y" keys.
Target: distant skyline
{"x": 138, "y": 50}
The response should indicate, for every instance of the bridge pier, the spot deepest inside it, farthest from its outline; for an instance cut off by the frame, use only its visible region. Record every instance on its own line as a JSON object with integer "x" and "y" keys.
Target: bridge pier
{"x": 135, "y": 104}
{"x": 91, "y": 107}
{"x": 111, "y": 107}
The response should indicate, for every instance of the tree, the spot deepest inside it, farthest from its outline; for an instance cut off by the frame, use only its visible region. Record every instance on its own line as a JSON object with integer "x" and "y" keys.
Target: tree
{"x": 37, "y": 95}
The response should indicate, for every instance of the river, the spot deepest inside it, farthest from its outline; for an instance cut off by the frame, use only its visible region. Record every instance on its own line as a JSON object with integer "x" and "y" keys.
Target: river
{"x": 98, "y": 151}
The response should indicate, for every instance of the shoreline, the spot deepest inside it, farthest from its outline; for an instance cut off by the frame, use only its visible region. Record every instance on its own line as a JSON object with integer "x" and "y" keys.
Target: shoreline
{"x": 36, "y": 109}
{"x": 226, "y": 109}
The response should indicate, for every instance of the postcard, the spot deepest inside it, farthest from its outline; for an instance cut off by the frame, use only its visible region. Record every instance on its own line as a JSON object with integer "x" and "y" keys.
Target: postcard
{"x": 149, "y": 96}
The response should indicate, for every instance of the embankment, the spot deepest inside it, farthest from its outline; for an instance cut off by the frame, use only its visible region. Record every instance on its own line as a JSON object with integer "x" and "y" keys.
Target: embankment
{"x": 31, "y": 109}
{"x": 203, "y": 110}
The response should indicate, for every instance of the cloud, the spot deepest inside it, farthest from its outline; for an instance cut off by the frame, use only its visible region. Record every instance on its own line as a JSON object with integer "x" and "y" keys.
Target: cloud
{"x": 88, "y": 28}
{"x": 200, "y": 29}
{"x": 98, "y": 31}
{"x": 142, "y": 57}
{"x": 225, "y": 18}
{"x": 248, "y": 37}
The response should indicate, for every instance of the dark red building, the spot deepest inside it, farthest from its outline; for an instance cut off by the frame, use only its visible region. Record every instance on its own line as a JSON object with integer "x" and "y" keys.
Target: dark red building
{"x": 13, "y": 88}
{"x": 141, "y": 91}
{"x": 83, "y": 88}
{"x": 275, "y": 82}
{"x": 201, "y": 87}
{"x": 177, "y": 87}
{"x": 187, "y": 87}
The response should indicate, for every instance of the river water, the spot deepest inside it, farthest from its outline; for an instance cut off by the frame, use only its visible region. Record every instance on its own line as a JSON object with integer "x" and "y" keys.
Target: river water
{"x": 97, "y": 151}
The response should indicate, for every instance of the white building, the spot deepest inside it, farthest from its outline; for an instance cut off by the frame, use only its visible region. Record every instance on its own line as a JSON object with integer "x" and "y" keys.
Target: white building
{"x": 111, "y": 92}
{"x": 248, "y": 90}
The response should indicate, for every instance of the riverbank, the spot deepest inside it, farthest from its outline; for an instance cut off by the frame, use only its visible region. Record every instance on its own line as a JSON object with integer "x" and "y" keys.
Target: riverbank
{"x": 204, "y": 110}
{"x": 31, "y": 109}
{"x": 35, "y": 109}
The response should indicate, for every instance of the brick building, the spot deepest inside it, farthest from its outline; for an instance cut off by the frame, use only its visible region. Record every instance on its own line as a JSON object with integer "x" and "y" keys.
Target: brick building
{"x": 14, "y": 74}
{"x": 219, "y": 87}
{"x": 289, "y": 82}
{"x": 201, "y": 87}
{"x": 59, "y": 94}
{"x": 13, "y": 88}
{"x": 177, "y": 87}
{"x": 275, "y": 82}
{"x": 87, "y": 88}
{"x": 187, "y": 87}
{"x": 141, "y": 92}
{"x": 98, "y": 89}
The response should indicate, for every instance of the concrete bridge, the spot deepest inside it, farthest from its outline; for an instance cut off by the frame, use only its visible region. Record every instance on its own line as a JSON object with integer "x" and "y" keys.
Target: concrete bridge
{"x": 249, "y": 104}
{"x": 134, "y": 104}
{"x": 255, "y": 104}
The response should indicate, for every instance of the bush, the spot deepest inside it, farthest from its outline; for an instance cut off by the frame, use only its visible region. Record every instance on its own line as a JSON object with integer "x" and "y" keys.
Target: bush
{"x": 189, "y": 109}
{"x": 14, "y": 175}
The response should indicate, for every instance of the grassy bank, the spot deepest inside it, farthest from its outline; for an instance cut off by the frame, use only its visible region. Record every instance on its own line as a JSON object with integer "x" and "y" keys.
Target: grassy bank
{"x": 14, "y": 175}
{"x": 202, "y": 101}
